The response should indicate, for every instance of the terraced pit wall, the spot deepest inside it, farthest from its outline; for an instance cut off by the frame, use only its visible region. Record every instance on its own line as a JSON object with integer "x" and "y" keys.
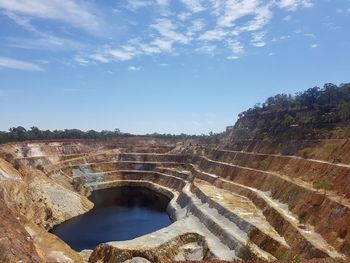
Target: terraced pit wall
{"x": 236, "y": 196}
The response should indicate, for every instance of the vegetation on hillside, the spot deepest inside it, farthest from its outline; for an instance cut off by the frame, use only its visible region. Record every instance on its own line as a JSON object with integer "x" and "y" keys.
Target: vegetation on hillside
{"x": 316, "y": 113}
{"x": 19, "y": 133}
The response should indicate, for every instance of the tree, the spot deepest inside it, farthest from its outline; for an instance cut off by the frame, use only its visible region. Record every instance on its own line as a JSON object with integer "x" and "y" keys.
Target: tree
{"x": 323, "y": 184}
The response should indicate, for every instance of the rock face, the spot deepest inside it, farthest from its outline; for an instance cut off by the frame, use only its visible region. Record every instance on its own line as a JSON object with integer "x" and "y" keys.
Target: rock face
{"x": 31, "y": 203}
{"x": 235, "y": 200}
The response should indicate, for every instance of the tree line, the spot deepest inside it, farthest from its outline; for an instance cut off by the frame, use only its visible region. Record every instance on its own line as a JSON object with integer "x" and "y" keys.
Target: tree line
{"x": 19, "y": 133}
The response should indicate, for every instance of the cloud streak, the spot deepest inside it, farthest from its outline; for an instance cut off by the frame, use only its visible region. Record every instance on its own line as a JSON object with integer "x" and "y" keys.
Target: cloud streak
{"x": 71, "y": 12}
{"x": 10, "y": 63}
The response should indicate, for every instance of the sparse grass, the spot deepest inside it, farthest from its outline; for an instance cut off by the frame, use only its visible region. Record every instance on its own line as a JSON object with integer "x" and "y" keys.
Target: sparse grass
{"x": 264, "y": 164}
{"x": 255, "y": 164}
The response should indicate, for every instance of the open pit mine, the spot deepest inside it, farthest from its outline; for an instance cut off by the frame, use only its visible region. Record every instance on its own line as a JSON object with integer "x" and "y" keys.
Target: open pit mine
{"x": 80, "y": 201}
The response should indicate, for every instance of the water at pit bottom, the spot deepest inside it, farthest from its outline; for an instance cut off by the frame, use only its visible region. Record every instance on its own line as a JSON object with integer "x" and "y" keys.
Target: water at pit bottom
{"x": 119, "y": 213}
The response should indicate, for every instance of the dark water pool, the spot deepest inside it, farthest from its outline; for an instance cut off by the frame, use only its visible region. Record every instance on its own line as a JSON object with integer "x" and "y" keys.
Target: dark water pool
{"x": 120, "y": 213}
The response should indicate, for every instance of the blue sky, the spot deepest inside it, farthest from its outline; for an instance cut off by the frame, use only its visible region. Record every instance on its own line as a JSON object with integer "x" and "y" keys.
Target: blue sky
{"x": 162, "y": 65}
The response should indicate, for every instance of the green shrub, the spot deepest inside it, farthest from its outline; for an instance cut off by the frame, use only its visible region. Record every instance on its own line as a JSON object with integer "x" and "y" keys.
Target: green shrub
{"x": 305, "y": 153}
{"x": 295, "y": 259}
{"x": 40, "y": 167}
{"x": 303, "y": 217}
{"x": 8, "y": 157}
{"x": 322, "y": 184}
{"x": 246, "y": 253}
{"x": 17, "y": 165}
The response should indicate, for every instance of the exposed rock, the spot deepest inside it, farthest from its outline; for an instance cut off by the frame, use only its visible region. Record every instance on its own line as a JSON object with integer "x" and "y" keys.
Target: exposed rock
{"x": 137, "y": 260}
{"x": 223, "y": 201}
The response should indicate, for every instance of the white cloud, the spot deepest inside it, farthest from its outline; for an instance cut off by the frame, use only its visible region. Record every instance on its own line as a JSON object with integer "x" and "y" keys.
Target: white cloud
{"x": 294, "y": 4}
{"x": 218, "y": 28}
{"x": 163, "y": 2}
{"x": 71, "y": 12}
{"x": 100, "y": 58}
{"x": 285, "y": 37}
{"x": 162, "y": 44}
{"x": 314, "y": 46}
{"x": 18, "y": 64}
{"x": 207, "y": 49}
{"x": 309, "y": 35}
{"x": 134, "y": 5}
{"x": 184, "y": 16}
{"x": 262, "y": 17}
{"x": 130, "y": 51}
{"x": 167, "y": 29}
{"x": 123, "y": 54}
{"x": 20, "y": 20}
{"x": 45, "y": 42}
{"x": 197, "y": 25}
{"x": 287, "y": 18}
{"x": 81, "y": 61}
{"x": 194, "y": 6}
{"x": 134, "y": 68}
{"x": 235, "y": 46}
{"x": 233, "y": 57}
{"x": 258, "y": 39}
{"x": 234, "y": 10}
{"x": 216, "y": 34}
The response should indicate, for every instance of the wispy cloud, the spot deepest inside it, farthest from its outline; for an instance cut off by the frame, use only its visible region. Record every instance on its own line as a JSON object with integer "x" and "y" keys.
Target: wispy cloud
{"x": 212, "y": 27}
{"x": 163, "y": 2}
{"x": 45, "y": 42}
{"x": 18, "y": 64}
{"x": 234, "y": 10}
{"x": 215, "y": 34}
{"x": 71, "y": 12}
{"x": 134, "y": 5}
{"x": 207, "y": 49}
{"x": 258, "y": 39}
{"x": 168, "y": 30}
{"x": 294, "y": 4}
{"x": 123, "y": 54}
{"x": 236, "y": 47}
{"x": 194, "y": 6}
{"x": 40, "y": 40}
{"x": 197, "y": 25}
{"x": 233, "y": 20}
{"x": 81, "y": 61}
{"x": 134, "y": 68}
